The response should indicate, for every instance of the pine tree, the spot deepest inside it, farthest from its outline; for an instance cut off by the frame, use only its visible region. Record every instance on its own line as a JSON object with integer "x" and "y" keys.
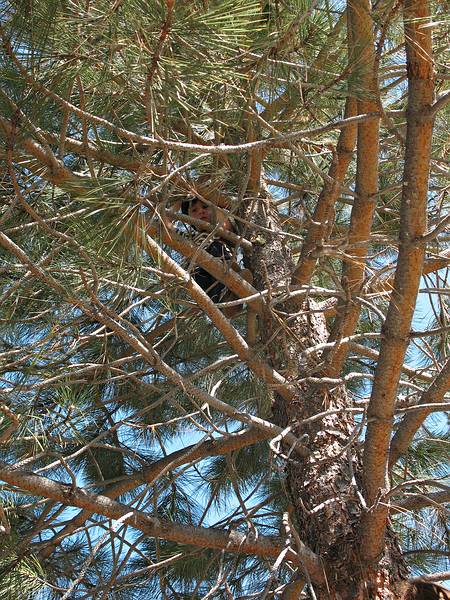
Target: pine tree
{"x": 152, "y": 445}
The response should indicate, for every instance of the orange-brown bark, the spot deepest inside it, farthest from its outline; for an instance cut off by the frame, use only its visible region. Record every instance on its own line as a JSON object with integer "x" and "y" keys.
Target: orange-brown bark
{"x": 407, "y": 276}
{"x": 149, "y": 474}
{"x": 348, "y": 309}
{"x": 323, "y": 212}
{"x": 231, "y": 541}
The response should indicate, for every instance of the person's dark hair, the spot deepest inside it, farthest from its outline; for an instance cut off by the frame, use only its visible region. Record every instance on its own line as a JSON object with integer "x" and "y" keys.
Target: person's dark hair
{"x": 187, "y": 203}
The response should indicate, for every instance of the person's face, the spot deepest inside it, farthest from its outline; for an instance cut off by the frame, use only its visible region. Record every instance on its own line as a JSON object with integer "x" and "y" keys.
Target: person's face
{"x": 200, "y": 211}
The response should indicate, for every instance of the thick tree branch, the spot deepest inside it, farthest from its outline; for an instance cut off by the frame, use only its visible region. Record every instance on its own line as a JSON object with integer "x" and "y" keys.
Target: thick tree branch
{"x": 148, "y": 475}
{"x": 219, "y": 149}
{"x": 374, "y": 355}
{"x": 440, "y": 576}
{"x": 323, "y": 214}
{"x": 137, "y": 341}
{"x": 397, "y": 326}
{"x": 440, "y": 104}
{"x": 363, "y": 59}
{"x": 418, "y": 501}
{"x": 59, "y": 174}
{"x": 229, "y": 541}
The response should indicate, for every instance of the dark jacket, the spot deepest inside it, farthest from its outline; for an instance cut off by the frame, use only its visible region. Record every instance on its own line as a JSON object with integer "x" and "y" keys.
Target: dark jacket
{"x": 215, "y": 289}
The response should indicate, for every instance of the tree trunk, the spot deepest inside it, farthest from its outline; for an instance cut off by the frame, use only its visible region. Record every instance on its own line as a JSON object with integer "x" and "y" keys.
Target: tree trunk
{"x": 324, "y": 488}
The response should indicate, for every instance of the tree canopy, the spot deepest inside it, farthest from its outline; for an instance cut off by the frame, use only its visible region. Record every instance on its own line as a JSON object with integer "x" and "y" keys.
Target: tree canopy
{"x": 288, "y": 440}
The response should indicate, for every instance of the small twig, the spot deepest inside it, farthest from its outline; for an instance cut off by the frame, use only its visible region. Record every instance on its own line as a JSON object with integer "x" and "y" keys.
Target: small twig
{"x": 439, "y": 104}
{"x": 4, "y": 437}
{"x": 5, "y": 527}
{"x": 431, "y": 235}
{"x": 442, "y": 576}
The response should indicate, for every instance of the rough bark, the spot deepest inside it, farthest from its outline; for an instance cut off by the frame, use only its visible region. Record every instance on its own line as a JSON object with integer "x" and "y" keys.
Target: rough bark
{"x": 319, "y": 483}
{"x": 324, "y": 484}
{"x": 324, "y": 487}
